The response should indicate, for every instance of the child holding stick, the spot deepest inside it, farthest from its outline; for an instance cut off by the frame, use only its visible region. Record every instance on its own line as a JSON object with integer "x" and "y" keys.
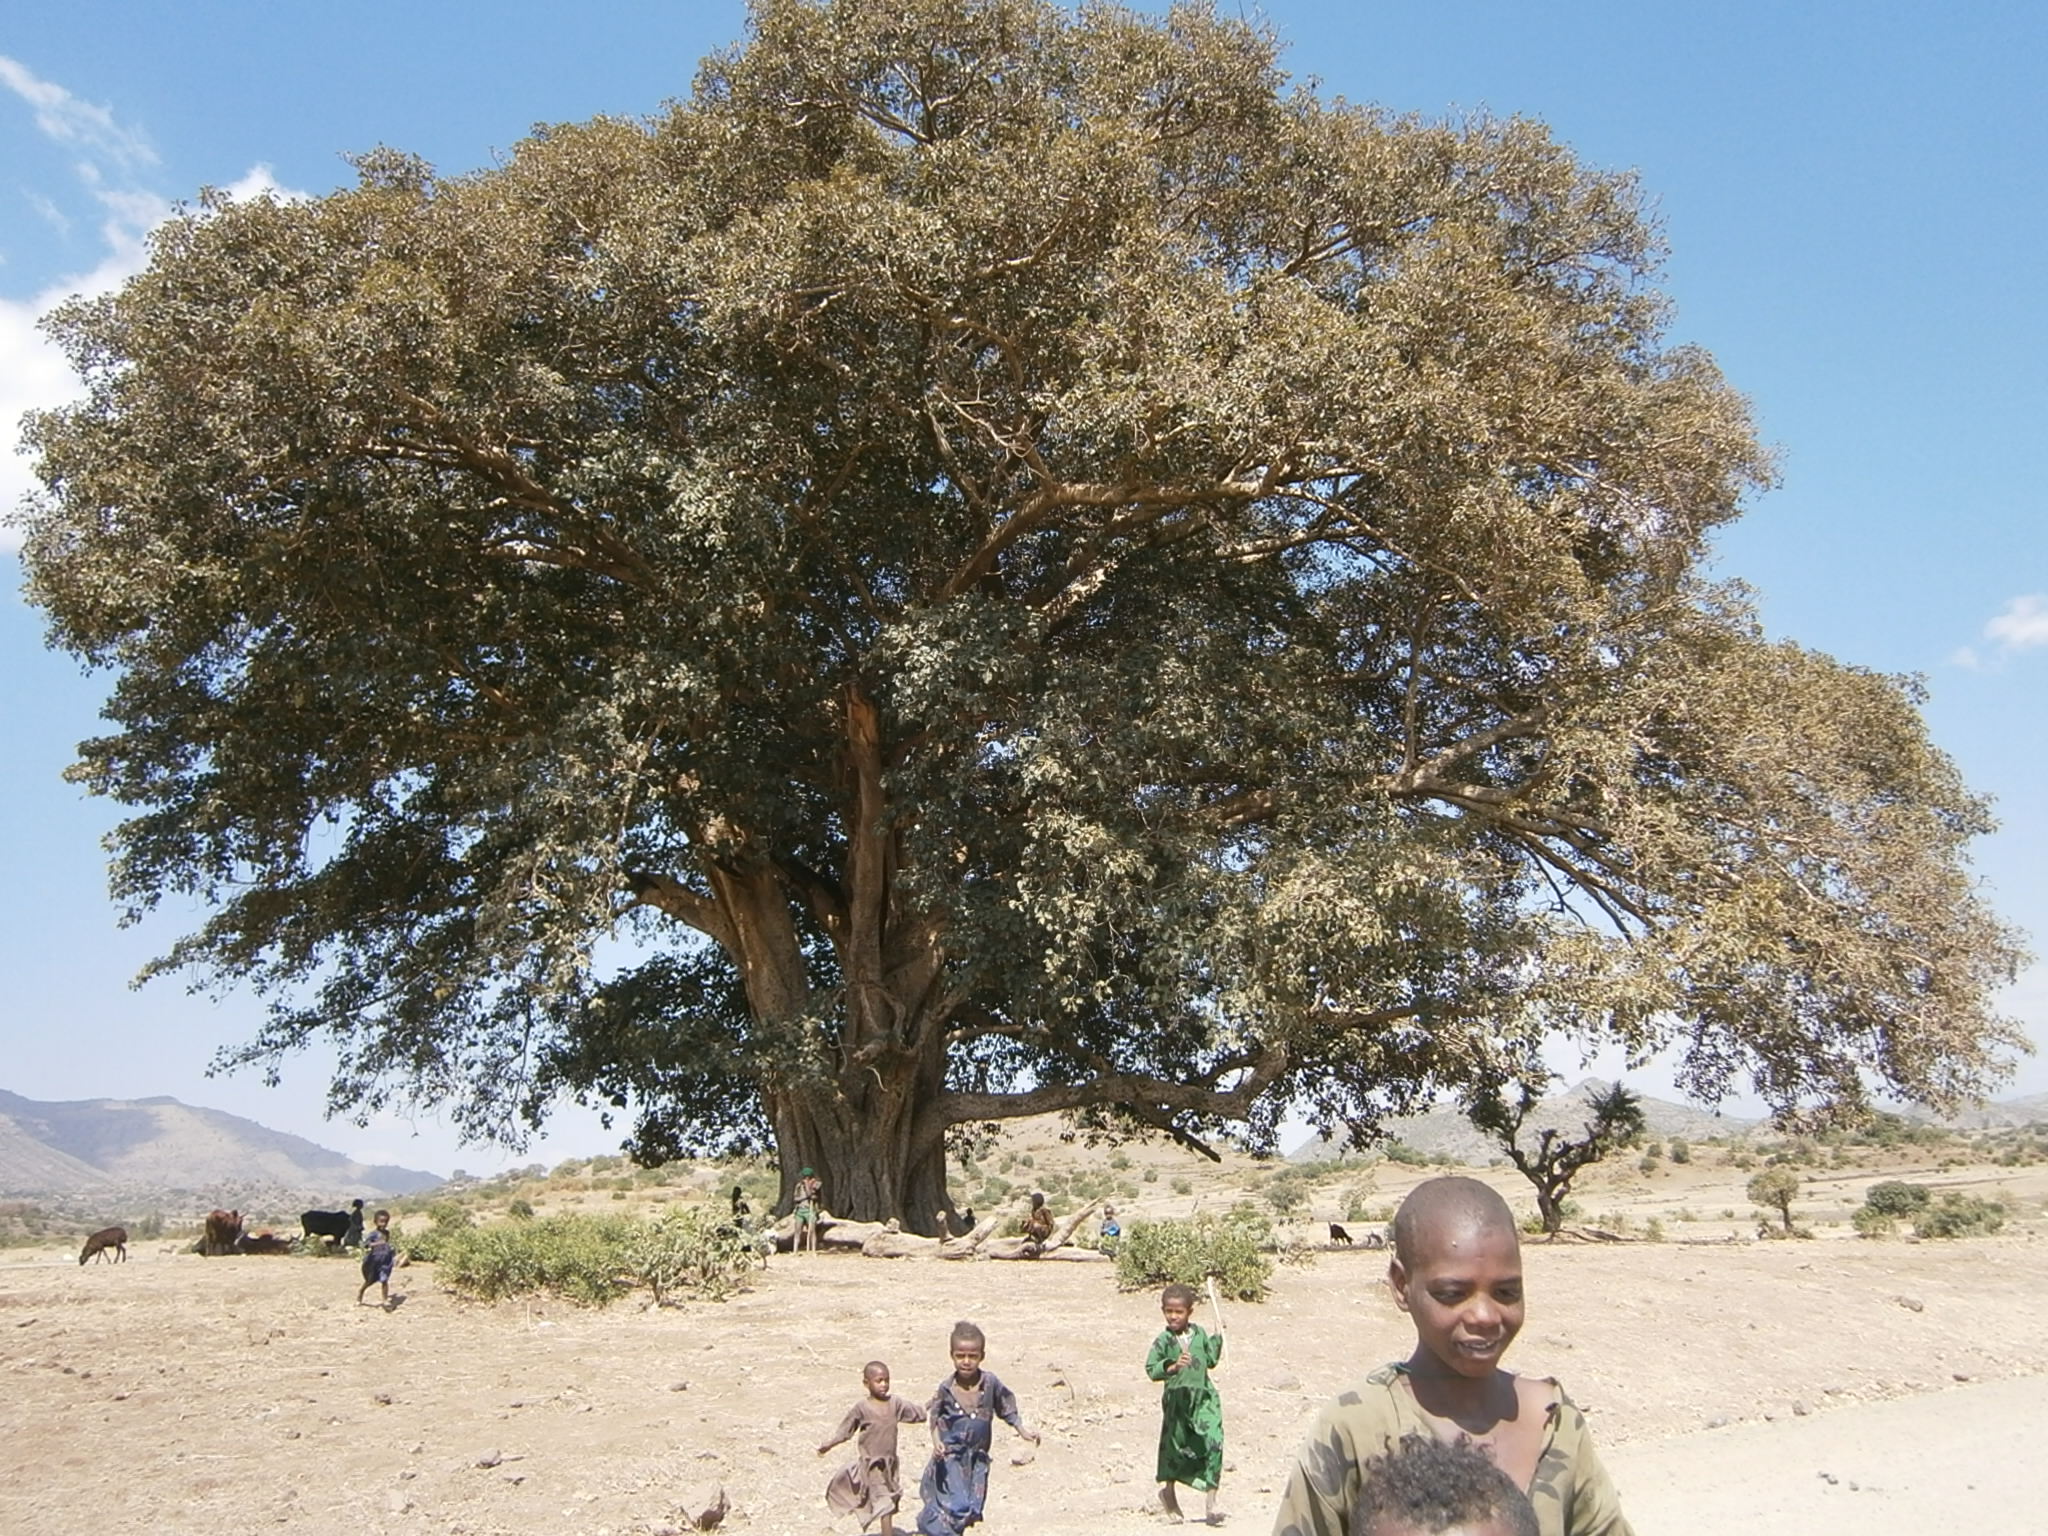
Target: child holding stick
{"x": 1190, "y": 1410}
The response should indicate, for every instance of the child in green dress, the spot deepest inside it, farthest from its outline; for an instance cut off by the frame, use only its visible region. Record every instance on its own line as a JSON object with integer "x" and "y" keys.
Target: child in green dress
{"x": 1191, "y": 1412}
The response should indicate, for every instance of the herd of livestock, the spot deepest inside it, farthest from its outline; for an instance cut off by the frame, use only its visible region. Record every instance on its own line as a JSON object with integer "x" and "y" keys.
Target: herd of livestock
{"x": 223, "y": 1234}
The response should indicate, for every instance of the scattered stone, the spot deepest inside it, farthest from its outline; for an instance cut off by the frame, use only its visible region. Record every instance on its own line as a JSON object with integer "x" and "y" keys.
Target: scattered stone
{"x": 491, "y": 1459}
{"x": 1911, "y": 1304}
{"x": 382, "y": 1397}
{"x": 291, "y": 1434}
{"x": 1829, "y": 1479}
{"x": 1285, "y": 1383}
{"x": 396, "y": 1501}
{"x": 515, "y": 1478}
{"x": 1800, "y": 1409}
{"x": 1961, "y": 1375}
{"x": 1719, "y": 1421}
{"x": 679, "y": 1386}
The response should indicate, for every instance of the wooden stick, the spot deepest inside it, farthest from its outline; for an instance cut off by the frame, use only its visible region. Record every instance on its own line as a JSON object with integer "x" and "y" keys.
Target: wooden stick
{"x": 1215, "y": 1305}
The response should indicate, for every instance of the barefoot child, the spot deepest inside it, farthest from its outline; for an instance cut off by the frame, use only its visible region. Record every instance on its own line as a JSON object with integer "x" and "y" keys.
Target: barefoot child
{"x": 1430, "y": 1487}
{"x": 963, "y": 1414}
{"x": 867, "y": 1486}
{"x": 1191, "y": 1413}
{"x": 1457, "y": 1273}
{"x": 379, "y": 1256}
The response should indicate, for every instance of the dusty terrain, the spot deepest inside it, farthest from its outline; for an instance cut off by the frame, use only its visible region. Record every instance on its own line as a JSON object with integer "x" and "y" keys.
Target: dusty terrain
{"x": 1734, "y": 1385}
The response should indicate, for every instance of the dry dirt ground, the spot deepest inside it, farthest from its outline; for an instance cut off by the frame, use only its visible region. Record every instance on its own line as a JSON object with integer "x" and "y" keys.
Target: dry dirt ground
{"x": 1734, "y": 1386}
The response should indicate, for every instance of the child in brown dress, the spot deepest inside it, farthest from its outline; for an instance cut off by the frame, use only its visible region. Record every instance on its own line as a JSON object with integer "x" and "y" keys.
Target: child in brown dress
{"x": 868, "y": 1486}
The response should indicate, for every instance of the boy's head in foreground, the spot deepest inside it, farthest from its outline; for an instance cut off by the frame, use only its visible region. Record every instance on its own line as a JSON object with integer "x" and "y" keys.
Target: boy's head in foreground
{"x": 1430, "y": 1487}
{"x": 1457, "y": 1273}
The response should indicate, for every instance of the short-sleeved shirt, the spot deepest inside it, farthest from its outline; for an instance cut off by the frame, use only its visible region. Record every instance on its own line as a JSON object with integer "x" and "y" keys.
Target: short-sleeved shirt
{"x": 1571, "y": 1491}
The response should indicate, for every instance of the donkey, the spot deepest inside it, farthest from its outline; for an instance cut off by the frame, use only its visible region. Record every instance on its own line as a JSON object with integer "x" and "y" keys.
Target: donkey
{"x": 97, "y": 1245}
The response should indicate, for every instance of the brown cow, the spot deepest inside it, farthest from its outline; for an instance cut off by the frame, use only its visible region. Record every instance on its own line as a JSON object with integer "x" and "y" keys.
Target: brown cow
{"x": 263, "y": 1242}
{"x": 97, "y": 1245}
{"x": 222, "y": 1229}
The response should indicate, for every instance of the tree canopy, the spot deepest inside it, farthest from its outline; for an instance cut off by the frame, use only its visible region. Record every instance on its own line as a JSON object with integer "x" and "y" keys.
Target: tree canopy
{"x": 990, "y": 560}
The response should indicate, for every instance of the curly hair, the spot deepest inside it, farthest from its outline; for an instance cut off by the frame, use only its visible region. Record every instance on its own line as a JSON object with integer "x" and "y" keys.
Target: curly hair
{"x": 1427, "y": 1485}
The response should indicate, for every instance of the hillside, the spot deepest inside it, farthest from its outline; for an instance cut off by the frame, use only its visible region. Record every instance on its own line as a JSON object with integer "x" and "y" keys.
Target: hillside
{"x": 1444, "y": 1133}
{"x": 102, "y": 1146}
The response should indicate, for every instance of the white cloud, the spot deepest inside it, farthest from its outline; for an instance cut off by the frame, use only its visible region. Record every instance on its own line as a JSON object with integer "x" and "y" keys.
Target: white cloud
{"x": 62, "y": 117}
{"x": 2022, "y": 626}
{"x": 33, "y": 373}
{"x": 49, "y": 212}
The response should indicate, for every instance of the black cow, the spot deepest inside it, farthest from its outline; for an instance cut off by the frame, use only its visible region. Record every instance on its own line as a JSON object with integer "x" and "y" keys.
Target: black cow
{"x": 344, "y": 1227}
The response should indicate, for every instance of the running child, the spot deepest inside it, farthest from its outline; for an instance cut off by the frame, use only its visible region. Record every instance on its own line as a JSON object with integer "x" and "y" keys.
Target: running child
{"x": 868, "y": 1485}
{"x": 379, "y": 1257}
{"x": 963, "y": 1414}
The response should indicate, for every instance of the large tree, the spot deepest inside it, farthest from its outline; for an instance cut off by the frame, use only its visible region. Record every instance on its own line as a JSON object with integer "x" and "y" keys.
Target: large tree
{"x": 992, "y": 560}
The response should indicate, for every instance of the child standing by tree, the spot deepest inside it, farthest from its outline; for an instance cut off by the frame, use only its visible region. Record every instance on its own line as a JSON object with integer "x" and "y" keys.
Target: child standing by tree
{"x": 1191, "y": 1412}
{"x": 868, "y": 1485}
{"x": 963, "y": 1414}
{"x": 810, "y": 1194}
{"x": 1457, "y": 1273}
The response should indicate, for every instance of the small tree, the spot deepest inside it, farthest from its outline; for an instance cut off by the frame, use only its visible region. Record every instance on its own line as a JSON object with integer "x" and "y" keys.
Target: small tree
{"x": 1775, "y": 1189}
{"x": 1615, "y": 1121}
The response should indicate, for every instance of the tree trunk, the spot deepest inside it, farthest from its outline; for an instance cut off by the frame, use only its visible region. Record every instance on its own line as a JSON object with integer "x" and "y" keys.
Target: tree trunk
{"x": 874, "y": 1157}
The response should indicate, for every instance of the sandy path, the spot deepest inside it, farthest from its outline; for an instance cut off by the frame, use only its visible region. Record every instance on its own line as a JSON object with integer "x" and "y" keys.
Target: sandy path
{"x": 178, "y": 1394}
{"x": 1967, "y": 1460}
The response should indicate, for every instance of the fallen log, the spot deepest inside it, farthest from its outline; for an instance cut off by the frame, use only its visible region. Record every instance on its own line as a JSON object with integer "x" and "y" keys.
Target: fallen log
{"x": 1064, "y": 1228}
{"x": 966, "y": 1247}
{"x": 900, "y": 1245}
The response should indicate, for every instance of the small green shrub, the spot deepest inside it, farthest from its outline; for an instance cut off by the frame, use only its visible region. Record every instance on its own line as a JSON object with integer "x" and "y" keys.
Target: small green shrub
{"x": 1775, "y": 1189}
{"x": 1869, "y": 1222}
{"x": 1681, "y": 1150}
{"x": 1183, "y": 1186}
{"x": 520, "y": 1210}
{"x": 1957, "y": 1215}
{"x": 584, "y": 1258}
{"x": 1894, "y": 1197}
{"x": 1150, "y": 1175}
{"x": 1401, "y": 1152}
{"x": 688, "y": 1252}
{"x": 1156, "y": 1252}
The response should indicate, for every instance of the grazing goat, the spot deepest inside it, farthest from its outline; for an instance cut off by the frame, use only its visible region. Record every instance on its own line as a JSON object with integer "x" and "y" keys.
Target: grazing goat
{"x": 222, "y": 1229}
{"x": 97, "y": 1245}
{"x": 1339, "y": 1235}
{"x": 335, "y": 1226}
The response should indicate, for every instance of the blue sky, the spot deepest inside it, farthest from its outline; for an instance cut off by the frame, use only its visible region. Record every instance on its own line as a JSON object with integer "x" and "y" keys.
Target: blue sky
{"x": 1852, "y": 195}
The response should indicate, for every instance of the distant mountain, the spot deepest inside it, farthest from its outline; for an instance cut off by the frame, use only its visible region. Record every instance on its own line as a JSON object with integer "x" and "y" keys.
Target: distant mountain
{"x": 1445, "y": 1133}
{"x": 91, "y": 1145}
